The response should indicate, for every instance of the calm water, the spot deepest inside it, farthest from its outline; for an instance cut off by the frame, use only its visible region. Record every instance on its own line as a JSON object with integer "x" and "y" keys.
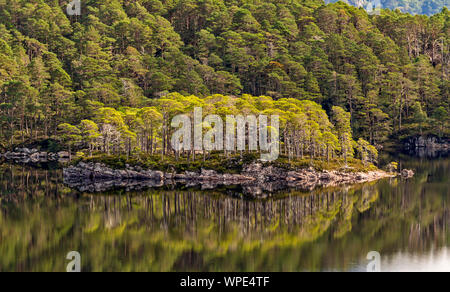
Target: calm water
{"x": 41, "y": 220}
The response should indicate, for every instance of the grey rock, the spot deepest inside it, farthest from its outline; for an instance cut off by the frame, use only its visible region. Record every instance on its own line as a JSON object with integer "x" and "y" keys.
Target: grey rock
{"x": 22, "y": 150}
{"x": 256, "y": 180}
{"x": 207, "y": 173}
{"x": 407, "y": 173}
{"x": 326, "y": 176}
{"x": 35, "y": 157}
{"x": 180, "y": 177}
{"x": 191, "y": 174}
{"x": 157, "y": 175}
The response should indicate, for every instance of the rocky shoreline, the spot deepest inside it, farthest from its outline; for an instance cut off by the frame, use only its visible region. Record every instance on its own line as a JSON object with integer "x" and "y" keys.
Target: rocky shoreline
{"x": 256, "y": 180}
{"x": 26, "y": 156}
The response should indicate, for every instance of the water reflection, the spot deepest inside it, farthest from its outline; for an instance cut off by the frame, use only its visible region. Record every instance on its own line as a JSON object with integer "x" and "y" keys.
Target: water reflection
{"x": 431, "y": 261}
{"x": 427, "y": 153}
{"x": 168, "y": 230}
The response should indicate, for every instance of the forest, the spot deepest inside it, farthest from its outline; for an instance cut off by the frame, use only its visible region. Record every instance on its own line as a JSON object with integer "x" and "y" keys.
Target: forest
{"x": 426, "y": 7}
{"x": 111, "y": 79}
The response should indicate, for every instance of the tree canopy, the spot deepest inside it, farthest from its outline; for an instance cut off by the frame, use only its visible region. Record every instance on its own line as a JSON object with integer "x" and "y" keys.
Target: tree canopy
{"x": 426, "y": 7}
{"x": 389, "y": 71}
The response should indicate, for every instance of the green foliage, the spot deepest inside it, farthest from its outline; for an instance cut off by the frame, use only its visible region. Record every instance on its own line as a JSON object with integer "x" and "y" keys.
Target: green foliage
{"x": 233, "y": 164}
{"x": 392, "y": 167}
{"x": 57, "y": 69}
{"x": 69, "y": 135}
{"x": 145, "y": 133}
{"x": 427, "y": 7}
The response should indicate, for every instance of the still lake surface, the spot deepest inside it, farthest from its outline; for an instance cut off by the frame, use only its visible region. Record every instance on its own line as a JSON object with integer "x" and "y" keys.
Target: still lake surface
{"x": 407, "y": 222}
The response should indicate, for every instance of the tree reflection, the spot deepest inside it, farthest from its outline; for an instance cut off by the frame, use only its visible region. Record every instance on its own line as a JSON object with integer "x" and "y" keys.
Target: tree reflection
{"x": 172, "y": 230}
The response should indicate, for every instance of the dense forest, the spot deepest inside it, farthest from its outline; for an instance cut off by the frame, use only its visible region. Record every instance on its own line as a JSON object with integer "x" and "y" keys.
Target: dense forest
{"x": 112, "y": 78}
{"x": 426, "y": 7}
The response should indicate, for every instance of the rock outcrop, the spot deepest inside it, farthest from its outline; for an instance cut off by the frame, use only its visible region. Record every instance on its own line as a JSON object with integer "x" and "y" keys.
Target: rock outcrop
{"x": 255, "y": 179}
{"x": 308, "y": 179}
{"x": 26, "y": 156}
{"x": 97, "y": 171}
{"x": 407, "y": 173}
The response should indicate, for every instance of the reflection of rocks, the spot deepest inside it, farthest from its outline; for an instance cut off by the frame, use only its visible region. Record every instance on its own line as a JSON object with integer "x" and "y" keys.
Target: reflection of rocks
{"x": 256, "y": 179}
{"x": 432, "y": 142}
{"x": 26, "y": 156}
{"x": 90, "y": 177}
{"x": 310, "y": 179}
{"x": 99, "y": 171}
{"x": 102, "y": 185}
{"x": 423, "y": 146}
{"x": 272, "y": 178}
{"x": 427, "y": 153}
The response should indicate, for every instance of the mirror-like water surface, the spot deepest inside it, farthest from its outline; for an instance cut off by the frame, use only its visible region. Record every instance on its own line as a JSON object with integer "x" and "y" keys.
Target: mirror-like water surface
{"x": 41, "y": 220}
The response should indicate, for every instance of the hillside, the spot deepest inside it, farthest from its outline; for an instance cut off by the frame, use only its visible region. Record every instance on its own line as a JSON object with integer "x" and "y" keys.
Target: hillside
{"x": 390, "y": 72}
